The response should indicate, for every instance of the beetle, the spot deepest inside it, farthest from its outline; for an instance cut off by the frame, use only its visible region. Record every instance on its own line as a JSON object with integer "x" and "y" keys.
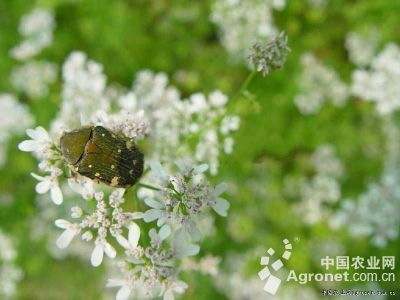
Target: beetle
{"x": 100, "y": 154}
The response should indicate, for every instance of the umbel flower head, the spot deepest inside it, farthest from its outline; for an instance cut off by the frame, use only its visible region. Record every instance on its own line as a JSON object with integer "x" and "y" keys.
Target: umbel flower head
{"x": 269, "y": 55}
{"x": 176, "y": 196}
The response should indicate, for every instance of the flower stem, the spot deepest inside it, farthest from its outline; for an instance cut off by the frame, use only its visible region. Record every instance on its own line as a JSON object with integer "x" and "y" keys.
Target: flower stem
{"x": 246, "y": 84}
{"x": 150, "y": 187}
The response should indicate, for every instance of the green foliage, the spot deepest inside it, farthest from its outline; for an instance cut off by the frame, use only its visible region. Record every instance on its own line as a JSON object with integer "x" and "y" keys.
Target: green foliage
{"x": 274, "y": 140}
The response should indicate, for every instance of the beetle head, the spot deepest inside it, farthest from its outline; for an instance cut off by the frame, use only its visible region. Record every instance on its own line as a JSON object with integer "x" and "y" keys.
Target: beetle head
{"x": 73, "y": 144}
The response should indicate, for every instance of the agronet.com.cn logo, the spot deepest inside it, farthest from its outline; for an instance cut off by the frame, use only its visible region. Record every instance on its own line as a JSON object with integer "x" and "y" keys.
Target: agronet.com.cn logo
{"x": 341, "y": 268}
{"x": 273, "y": 282}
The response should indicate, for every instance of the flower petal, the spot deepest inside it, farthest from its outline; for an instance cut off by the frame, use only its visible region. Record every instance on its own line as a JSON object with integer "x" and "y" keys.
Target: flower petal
{"x": 115, "y": 282}
{"x": 134, "y": 234}
{"x": 43, "y": 187}
{"x": 56, "y": 195}
{"x": 31, "y": 133}
{"x": 194, "y": 232}
{"x": 60, "y": 223}
{"x": 221, "y": 207}
{"x": 151, "y": 215}
{"x": 201, "y": 169}
{"x": 164, "y": 232}
{"x": 65, "y": 239}
{"x": 136, "y": 215}
{"x": 169, "y": 295}
{"x": 28, "y": 146}
{"x": 97, "y": 255}
{"x": 123, "y": 293}
{"x": 219, "y": 189}
{"x": 37, "y": 177}
{"x": 153, "y": 203}
{"x": 188, "y": 250}
{"x": 38, "y": 134}
{"x": 123, "y": 241}
{"x": 180, "y": 286}
{"x": 158, "y": 170}
{"x": 161, "y": 220}
{"x": 180, "y": 237}
{"x": 109, "y": 250}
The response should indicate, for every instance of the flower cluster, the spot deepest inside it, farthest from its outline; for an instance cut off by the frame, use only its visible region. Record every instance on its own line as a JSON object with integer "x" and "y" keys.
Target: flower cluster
{"x": 241, "y": 22}
{"x": 208, "y": 120}
{"x": 374, "y": 212}
{"x": 179, "y": 126}
{"x": 176, "y": 127}
{"x": 50, "y": 160}
{"x": 318, "y": 84}
{"x": 206, "y": 265}
{"x": 270, "y": 55}
{"x": 10, "y": 274}
{"x": 46, "y": 214}
{"x": 323, "y": 188}
{"x": 15, "y": 119}
{"x": 33, "y": 78}
{"x": 182, "y": 197}
{"x": 107, "y": 219}
{"x": 361, "y": 48}
{"x": 177, "y": 203}
{"x": 380, "y": 83}
{"x": 36, "y": 29}
{"x": 83, "y": 91}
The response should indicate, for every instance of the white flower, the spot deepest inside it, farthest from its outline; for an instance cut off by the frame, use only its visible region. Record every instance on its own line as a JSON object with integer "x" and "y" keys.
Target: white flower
{"x": 182, "y": 246}
{"x": 361, "y": 48}
{"x": 34, "y": 77}
{"x": 49, "y": 183}
{"x": 174, "y": 287}
{"x": 83, "y": 186}
{"x": 87, "y": 236}
{"x": 218, "y": 99}
{"x": 37, "y": 29}
{"x": 381, "y": 83}
{"x": 71, "y": 230}
{"x": 40, "y": 143}
{"x": 228, "y": 145}
{"x": 128, "y": 102}
{"x": 133, "y": 237}
{"x": 83, "y": 91}
{"x": 218, "y": 204}
{"x": 159, "y": 172}
{"x": 10, "y": 274}
{"x": 319, "y": 84}
{"x": 229, "y": 123}
{"x": 101, "y": 247}
{"x": 242, "y": 21}
{"x": 198, "y": 103}
{"x": 156, "y": 212}
{"x": 125, "y": 290}
{"x": 7, "y": 251}
{"x": 186, "y": 166}
{"x": 37, "y": 21}
{"x": 132, "y": 125}
{"x": 11, "y": 125}
{"x": 76, "y": 212}
{"x": 157, "y": 238}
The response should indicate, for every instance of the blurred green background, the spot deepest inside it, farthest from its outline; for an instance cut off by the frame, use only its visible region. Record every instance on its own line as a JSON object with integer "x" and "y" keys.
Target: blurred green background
{"x": 274, "y": 141}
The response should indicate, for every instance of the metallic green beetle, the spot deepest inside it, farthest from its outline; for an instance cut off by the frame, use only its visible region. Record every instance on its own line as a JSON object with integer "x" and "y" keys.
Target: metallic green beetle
{"x": 102, "y": 155}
